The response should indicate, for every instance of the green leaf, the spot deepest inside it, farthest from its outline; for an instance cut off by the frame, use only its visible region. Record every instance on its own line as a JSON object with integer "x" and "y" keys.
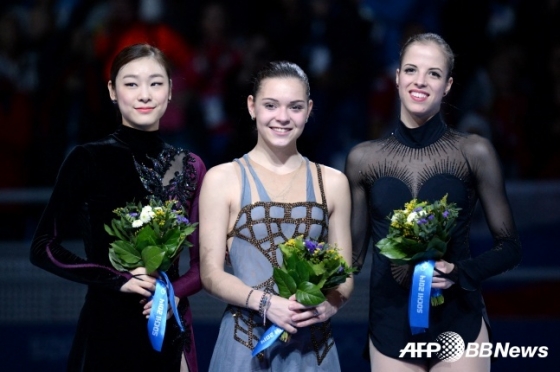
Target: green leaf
{"x": 109, "y": 230}
{"x": 295, "y": 275}
{"x": 117, "y": 229}
{"x": 335, "y": 281}
{"x": 152, "y": 256}
{"x": 290, "y": 262}
{"x": 304, "y": 270}
{"x": 438, "y": 245}
{"x": 125, "y": 252}
{"x": 286, "y": 251}
{"x": 309, "y": 294}
{"x": 318, "y": 268}
{"x": 286, "y": 284}
{"x": 115, "y": 261}
{"x": 190, "y": 228}
{"x": 166, "y": 263}
{"x": 172, "y": 235}
{"x": 393, "y": 253}
{"x": 173, "y": 242}
{"x": 156, "y": 229}
{"x": 383, "y": 243}
{"x": 146, "y": 237}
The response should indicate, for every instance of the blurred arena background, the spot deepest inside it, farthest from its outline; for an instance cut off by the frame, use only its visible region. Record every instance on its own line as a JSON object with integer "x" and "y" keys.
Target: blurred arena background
{"x": 53, "y": 72}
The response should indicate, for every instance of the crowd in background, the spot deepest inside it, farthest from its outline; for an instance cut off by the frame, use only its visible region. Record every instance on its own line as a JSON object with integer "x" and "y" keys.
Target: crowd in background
{"x": 54, "y": 57}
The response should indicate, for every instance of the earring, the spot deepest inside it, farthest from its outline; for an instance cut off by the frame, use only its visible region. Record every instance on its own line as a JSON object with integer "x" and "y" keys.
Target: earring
{"x": 444, "y": 94}
{"x": 114, "y": 101}
{"x": 252, "y": 117}
{"x": 397, "y": 86}
{"x": 169, "y": 100}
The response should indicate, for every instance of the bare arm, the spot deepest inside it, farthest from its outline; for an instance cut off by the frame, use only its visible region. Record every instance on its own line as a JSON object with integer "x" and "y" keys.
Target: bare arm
{"x": 218, "y": 210}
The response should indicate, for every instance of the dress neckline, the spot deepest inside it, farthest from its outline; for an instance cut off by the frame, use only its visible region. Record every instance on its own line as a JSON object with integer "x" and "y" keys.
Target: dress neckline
{"x": 422, "y": 136}
{"x": 139, "y": 140}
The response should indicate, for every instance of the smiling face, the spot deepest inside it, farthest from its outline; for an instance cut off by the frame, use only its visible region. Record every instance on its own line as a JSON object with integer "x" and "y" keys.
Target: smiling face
{"x": 422, "y": 82}
{"x": 142, "y": 90}
{"x": 281, "y": 108}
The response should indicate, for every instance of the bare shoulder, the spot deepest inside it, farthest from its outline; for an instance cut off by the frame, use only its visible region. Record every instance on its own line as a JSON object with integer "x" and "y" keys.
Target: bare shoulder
{"x": 222, "y": 175}
{"x": 334, "y": 178}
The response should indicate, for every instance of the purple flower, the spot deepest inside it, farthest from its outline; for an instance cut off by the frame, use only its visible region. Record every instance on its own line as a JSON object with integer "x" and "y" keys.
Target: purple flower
{"x": 310, "y": 245}
{"x": 446, "y": 213}
{"x": 422, "y": 221}
{"x": 340, "y": 269}
{"x": 417, "y": 209}
{"x": 182, "y": 219}
{"x": 133, "y": 214}
{"x": 431, "y": 217}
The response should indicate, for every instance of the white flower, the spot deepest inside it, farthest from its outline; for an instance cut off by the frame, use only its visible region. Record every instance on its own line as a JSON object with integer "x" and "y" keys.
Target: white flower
{"x": 147, "y": 214}
{"x": 411, "y": 217}
{"x": 137, "y": 223}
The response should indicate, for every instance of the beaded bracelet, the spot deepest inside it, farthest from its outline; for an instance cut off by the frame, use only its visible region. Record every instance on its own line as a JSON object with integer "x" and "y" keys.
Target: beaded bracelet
{"x": 263, "y": 306}
{"x": 248, "y": 296}
{"x": 266, "y": 307}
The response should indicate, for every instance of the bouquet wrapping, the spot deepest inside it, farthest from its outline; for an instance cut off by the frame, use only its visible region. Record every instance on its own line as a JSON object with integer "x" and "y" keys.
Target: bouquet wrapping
{"x": 151, "y": 236}
{"x": 309, "y": 269}
{"x": 418, "y": 235}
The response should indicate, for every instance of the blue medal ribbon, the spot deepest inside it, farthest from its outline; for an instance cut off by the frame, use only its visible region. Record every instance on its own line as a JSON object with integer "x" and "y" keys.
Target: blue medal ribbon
{"x": 271, "y": 335}
{"x": 419, "y": 304}
{"x": 157, "y": 321}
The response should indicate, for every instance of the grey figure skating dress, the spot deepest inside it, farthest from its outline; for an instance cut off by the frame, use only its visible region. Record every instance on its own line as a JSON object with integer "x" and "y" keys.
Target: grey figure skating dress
{"x": 259, "y": 228}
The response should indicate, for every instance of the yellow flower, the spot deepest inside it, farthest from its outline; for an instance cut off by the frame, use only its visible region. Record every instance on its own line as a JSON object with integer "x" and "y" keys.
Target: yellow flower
{"x": 410, "y": 205}
{"x": 291, "y": 243}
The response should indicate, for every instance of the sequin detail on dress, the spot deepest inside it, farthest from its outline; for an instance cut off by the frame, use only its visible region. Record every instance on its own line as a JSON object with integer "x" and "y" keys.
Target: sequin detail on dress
{"x": 182, "y": 185}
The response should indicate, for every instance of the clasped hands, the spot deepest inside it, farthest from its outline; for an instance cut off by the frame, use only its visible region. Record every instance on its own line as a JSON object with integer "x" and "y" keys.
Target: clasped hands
{"x": 144, "y": 284}
{"x": 289, "y": 314}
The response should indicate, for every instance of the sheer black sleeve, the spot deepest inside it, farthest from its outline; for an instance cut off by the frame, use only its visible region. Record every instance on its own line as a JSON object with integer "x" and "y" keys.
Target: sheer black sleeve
{"x": 506, "y": 252}
{"x": 66, "y": 213}
{"x": 360, "y": 225}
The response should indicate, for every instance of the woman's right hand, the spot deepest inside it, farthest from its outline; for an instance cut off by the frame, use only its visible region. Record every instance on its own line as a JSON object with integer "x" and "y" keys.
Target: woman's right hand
{"x": 280, "y": 314}
{"x": 140, "y": 283}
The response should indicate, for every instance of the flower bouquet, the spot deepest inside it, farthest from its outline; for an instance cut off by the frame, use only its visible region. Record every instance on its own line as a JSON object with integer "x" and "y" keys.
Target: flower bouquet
{"x": 309, "y": 269}
{"x": 418, "y": 235}
{"x": 151, "y": 236}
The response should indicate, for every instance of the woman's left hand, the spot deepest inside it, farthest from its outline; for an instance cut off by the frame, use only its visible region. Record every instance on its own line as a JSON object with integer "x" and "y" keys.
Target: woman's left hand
{"x": 148, "y": 308}
{"x": 308, "y": 315}
{"x": 439, "y": 281}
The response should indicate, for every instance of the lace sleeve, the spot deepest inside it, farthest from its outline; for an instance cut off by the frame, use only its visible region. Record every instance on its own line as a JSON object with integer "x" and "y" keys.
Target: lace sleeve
{"x": 190, "y": 282}
{"x": 63, "y": 215}
{"x": 506, "y": 251}
{"x": 359, "y": 219}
